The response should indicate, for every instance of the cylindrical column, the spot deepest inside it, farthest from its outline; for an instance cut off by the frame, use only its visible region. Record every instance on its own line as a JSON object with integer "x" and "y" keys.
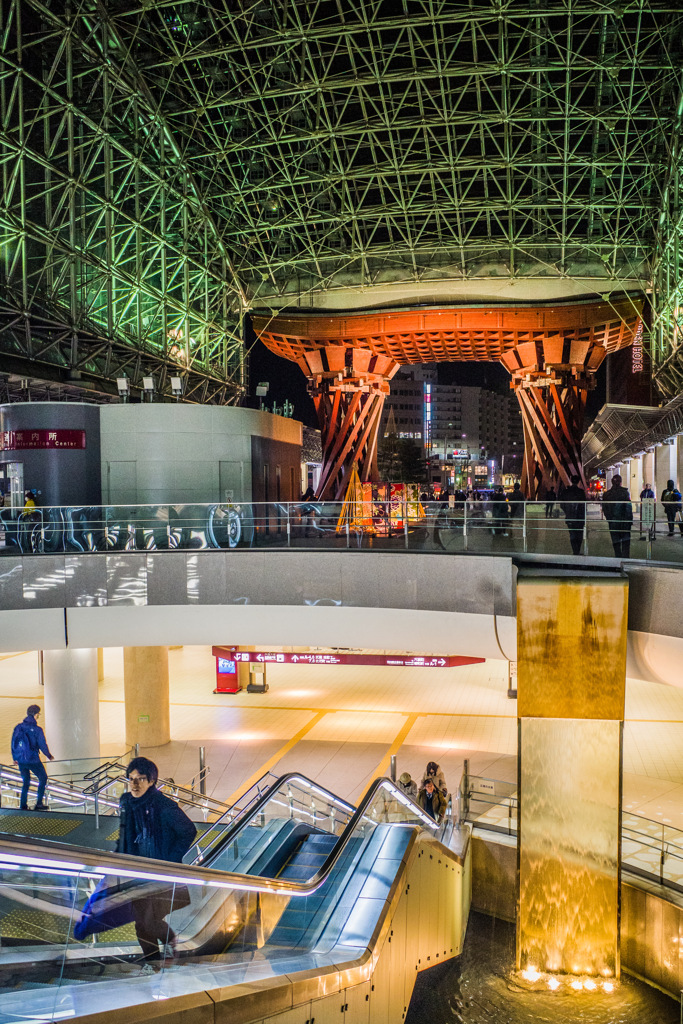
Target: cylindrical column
{"x": 145, "y": 685}
{"x": 649, "y": 469}
{"x": 72, "y": 712}
{"x": 663, "y": 459}
{"x": 100, "y": 664}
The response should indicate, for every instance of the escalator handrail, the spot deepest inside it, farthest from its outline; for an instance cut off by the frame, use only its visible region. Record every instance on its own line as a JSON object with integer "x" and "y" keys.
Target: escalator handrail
{"x": 25, "y": 852}
{"x": 248, "y": 813}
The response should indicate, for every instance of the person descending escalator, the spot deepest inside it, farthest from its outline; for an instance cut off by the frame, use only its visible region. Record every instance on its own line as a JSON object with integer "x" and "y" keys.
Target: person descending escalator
{"x": 408, "y": 785}
{"x": 433, "y": 771}
{"x": 432, "y": 800}
{"x": 153, "y": 825}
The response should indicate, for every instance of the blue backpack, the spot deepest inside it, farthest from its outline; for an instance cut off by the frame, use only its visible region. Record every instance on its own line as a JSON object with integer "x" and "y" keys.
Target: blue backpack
{"x": 22, "y": 748}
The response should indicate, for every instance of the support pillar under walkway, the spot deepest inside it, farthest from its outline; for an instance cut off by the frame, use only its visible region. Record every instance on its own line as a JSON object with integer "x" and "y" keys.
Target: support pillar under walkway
{"x": 146, "y": 693}
{"x": 72, "y": 710}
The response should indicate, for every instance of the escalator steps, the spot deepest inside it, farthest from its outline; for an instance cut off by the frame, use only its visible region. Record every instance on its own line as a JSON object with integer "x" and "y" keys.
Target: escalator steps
{"x": 38, "y": 825}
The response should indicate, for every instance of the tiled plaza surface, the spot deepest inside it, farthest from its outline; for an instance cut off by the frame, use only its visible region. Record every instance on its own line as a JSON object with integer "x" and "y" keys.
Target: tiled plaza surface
{"x": 341, "y": 724}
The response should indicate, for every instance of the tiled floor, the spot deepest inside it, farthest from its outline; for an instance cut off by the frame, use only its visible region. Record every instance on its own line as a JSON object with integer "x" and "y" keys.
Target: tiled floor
{"x": 339, "y": 724}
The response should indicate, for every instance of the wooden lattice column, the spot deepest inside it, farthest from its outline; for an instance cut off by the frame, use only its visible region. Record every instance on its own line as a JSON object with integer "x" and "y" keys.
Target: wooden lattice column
{"x": 348, "y": 387}
{"x": 552, "y": 377}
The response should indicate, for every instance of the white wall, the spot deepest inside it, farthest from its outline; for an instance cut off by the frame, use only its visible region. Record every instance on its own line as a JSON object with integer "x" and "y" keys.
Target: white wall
{"x": 155, "y": 453}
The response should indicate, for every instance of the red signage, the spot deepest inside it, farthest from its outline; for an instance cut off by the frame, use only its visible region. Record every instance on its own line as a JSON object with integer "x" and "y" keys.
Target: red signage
{"x": 307, "y": 658}
{"x": 21, "y": 440}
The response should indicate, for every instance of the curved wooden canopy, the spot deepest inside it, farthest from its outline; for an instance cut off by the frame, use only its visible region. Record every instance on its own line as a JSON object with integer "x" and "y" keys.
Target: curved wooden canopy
{"x": 482, "y": 334}
{"x": 551, "y": 353}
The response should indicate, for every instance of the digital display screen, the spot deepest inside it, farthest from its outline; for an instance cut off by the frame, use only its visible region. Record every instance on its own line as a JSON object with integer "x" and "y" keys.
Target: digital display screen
{"x": 226, "y": 667}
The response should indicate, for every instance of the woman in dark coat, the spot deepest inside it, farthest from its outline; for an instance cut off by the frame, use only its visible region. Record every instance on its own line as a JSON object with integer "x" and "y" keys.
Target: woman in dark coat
{"x": 153, "y": 826}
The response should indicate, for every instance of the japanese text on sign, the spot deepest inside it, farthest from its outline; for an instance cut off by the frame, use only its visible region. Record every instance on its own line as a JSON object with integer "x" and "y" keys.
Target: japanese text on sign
{"x": 22, "y": 440}
{"x": 314, "y": 658}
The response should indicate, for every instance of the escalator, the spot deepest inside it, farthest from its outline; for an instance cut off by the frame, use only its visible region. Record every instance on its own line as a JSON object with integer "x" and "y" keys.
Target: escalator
{"x": 298, "y": 881}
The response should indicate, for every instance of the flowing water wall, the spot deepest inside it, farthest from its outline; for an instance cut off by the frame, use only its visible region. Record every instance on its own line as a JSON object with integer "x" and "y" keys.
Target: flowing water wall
{"x": 571, "y": 636}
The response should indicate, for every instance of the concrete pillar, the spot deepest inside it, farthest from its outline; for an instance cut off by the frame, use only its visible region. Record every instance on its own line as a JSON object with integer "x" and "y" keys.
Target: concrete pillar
{"x": 635, "y": 478}
{"x": 146, "y": 692}
{"x": 665, "y": 466}
{"x": 72, "y": 710}
{"x": 648, "y": 470}
{"x": 570, "y": 632}
{"x": 677, "y": 447}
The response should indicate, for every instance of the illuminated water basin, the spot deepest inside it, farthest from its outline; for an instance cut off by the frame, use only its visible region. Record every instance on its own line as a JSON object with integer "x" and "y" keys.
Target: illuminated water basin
{"x": 481, "y": 987}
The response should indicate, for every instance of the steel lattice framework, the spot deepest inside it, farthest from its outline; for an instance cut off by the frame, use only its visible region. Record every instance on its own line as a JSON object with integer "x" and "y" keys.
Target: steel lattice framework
{"x": 169, "y": 164}
{"x": 112, "y": 264}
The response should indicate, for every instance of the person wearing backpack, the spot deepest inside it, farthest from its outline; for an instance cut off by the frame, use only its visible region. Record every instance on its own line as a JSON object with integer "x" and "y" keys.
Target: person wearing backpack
{"x": 671, "y": 500}
{"x": 28, "y": 740}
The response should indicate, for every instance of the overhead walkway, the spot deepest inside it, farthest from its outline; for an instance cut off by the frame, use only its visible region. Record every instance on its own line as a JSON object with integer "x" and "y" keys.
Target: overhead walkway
{"x": 439, "y": 580}
{"x": 299, "y": 899}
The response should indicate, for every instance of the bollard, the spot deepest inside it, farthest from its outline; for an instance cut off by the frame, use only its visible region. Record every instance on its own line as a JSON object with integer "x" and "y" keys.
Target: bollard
{"x": 465, "y": 810}
{"x": 202, "y": 771}
{"x": 392, "y": 770}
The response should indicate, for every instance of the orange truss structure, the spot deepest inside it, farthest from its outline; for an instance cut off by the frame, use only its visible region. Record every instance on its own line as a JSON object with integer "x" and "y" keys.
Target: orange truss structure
{"x": 551, "y": 352}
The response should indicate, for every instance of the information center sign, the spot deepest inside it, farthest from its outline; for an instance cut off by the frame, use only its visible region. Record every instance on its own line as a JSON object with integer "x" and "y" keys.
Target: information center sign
{"x": 316, "y": 658}
{"x": 22, "y": 440}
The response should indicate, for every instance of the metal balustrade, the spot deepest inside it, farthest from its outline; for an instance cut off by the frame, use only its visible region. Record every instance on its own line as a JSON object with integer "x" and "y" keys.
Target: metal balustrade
{"x": 458, "y": 527}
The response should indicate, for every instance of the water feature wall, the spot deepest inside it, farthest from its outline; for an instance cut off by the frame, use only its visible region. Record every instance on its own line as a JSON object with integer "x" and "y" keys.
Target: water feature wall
{"x": 571, "y": 653}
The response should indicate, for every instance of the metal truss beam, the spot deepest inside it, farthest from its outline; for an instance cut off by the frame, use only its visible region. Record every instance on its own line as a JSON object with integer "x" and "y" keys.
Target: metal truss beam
{"x": 169, "y": 164}
{"x": 111, "y": 263}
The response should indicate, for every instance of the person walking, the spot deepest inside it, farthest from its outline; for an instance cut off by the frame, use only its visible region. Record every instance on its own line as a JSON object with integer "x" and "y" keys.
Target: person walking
{"x": 153, "y": 825}
{"x": 28, "y": 741}
{"x": 431, "y": 800}
{"x": 647, "y": 492}
{"x": 671, "y": 500}
{"x": 550, "y": 499}
{"x": 516, "y": 503}
{"x": 499, "y": 511}
{"x": 573, "y": 500}
{"x": 617, "y": 509}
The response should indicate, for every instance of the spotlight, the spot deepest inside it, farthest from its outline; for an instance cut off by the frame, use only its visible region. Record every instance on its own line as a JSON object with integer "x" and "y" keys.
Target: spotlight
{"x": 123, "y": 388}
{"x": 177, "y": 386}
{"x": 148, "y": 387}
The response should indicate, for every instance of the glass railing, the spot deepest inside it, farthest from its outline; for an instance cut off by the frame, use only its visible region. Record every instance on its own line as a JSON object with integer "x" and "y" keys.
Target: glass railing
{"x": 649, "y": 849}
{"x": 474, "y": 526}
{"x": 93, "y": 786}
{"x": 72, "y": 919}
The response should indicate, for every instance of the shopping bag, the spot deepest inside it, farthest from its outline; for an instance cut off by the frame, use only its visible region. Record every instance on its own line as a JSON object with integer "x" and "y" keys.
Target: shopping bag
{"x": 113, "y": 903}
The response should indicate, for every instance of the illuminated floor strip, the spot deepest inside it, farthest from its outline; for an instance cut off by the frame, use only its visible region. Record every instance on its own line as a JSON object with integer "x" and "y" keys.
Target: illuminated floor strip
{"x": 277, "y": 756}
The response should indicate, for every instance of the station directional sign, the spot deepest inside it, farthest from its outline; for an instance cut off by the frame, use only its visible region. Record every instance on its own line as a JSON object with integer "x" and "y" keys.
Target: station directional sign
{"x": 340, "y": 658}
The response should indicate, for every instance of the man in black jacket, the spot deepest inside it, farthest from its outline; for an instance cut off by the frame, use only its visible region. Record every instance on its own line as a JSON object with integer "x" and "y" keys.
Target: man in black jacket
{"x": 618, "y": 511}
{"x": 153, "y": 826}
{"x": 574, "y": 508}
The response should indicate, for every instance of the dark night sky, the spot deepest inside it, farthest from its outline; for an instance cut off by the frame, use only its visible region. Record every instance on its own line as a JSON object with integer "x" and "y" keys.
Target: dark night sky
{"x": 288, "y": 382}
